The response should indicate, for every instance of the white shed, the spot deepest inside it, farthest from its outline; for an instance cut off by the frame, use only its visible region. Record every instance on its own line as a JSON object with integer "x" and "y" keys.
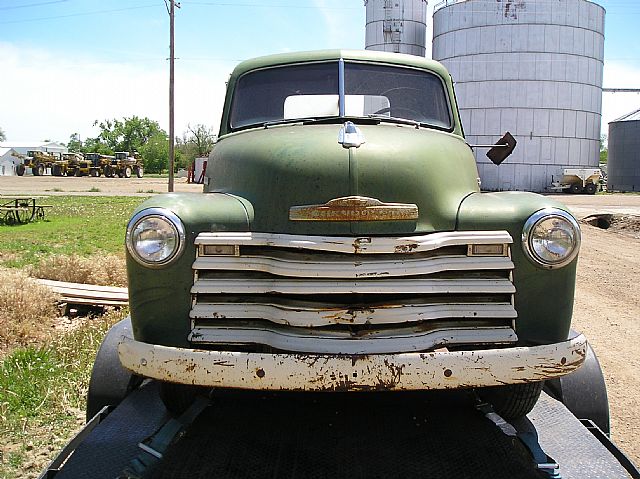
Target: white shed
{"x": 8, "y": 162}
{"x": 23, "y": 146}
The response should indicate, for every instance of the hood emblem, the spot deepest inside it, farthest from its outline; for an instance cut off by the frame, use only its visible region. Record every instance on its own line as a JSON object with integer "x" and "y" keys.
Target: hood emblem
{"x": 354, "y": 208}
{"x": 350, "y": 135}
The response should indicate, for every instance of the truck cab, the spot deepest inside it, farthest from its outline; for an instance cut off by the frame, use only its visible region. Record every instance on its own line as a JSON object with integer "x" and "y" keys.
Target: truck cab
{"x": 342, "y": 243}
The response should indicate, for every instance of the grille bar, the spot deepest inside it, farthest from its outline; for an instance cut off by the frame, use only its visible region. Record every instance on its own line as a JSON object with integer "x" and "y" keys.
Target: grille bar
{"x": 323, "y": 342}
{"x": 364, "y": 267}
{"x": 358, "y": 245}
{"x": 372, "y": 286}
{"x": 309, "y": 317}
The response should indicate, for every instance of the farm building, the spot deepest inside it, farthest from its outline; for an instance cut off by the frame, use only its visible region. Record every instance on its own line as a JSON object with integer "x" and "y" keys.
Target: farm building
{"x": 8, "y": 162}
{"x": 23, "y": 146}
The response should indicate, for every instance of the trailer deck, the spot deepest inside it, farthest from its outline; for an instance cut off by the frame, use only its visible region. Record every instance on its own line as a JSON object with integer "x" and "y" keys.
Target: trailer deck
{"x": 251, "y": 435}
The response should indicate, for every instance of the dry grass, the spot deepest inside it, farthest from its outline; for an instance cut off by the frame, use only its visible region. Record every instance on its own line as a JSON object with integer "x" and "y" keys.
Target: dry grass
{"x": 107, "y": 270}
{"x": 27, "y": 310}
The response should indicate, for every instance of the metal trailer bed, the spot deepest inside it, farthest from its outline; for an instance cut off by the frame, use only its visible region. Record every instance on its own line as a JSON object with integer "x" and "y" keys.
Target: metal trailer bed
{"x": 399, "y": 435}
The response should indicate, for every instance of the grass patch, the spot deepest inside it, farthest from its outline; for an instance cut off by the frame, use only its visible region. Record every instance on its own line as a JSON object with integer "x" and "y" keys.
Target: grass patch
{"x": 43, "y": 396}
{"x": 108, "y": 270}
{"x": 93, "y": 189}
{"x": 80, "y": 225}
{"x": 27, "y": 310}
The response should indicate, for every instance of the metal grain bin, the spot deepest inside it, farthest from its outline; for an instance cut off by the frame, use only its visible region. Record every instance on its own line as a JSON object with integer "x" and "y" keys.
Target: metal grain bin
{"x": 623, "y": 164}
{"x": 533, "y": 68}
{"x": 397, "y": 26}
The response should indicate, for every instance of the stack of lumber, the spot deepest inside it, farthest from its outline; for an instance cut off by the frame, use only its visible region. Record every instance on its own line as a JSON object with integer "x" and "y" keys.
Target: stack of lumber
{"x": 88, "y": 294}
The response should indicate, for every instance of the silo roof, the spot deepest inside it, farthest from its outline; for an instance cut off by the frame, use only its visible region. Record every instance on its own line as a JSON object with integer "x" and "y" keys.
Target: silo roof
{"x": 633, "y": 116}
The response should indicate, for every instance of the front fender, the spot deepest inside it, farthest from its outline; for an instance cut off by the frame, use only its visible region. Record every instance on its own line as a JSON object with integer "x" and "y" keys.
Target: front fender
{"x": 544, "y": 298}
{"x": 160, "y": 299}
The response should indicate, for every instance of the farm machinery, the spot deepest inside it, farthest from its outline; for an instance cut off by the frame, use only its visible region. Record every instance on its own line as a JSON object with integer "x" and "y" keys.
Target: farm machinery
{"x": 77, "y": 164}
{"x": 38, "y": 161}
{"x": 578, "y": 180}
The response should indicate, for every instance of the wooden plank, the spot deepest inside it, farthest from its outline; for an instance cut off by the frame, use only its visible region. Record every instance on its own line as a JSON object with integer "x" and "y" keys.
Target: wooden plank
{"x": 85, "y": 294}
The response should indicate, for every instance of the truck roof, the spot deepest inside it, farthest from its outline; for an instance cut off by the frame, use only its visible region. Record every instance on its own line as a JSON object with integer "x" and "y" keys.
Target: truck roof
{"x": 328, "y": 55}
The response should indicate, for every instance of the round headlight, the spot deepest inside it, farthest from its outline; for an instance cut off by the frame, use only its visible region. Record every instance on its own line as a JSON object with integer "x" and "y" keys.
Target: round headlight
{"x": 551, "y": 238}
{"x": 155, "y": 237}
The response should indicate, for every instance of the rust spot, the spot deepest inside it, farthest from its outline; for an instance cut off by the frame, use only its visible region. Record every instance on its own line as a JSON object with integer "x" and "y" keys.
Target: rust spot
{"x": 406, "y": 248}
{"x": 260, "y": 373}
{"x": 448, "y": 373}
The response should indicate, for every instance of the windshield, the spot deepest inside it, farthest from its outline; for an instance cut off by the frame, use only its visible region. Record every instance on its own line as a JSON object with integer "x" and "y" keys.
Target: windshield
{"x": 312, "y": 91}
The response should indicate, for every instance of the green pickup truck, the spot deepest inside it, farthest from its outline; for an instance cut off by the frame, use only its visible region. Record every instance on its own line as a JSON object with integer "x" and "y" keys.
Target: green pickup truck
{"x": 342, "y": 244}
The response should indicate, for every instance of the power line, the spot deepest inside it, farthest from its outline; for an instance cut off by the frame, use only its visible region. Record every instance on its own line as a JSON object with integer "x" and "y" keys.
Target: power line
{"x": 70, "y": 15}
{"x": 15, "y": 7}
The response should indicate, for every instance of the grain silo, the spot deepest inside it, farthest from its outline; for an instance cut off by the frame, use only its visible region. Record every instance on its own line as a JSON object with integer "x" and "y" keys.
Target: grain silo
{"x": 530, "y": 67}
{"x": 623, "y": 163}
{"x": 396, "y": 26}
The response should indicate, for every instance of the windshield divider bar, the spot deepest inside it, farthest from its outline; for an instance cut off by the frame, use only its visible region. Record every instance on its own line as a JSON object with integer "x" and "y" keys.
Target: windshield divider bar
{"x": 341, "y": 88}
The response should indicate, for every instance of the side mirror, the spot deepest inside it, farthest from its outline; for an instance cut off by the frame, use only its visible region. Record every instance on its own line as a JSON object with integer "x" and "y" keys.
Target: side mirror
{"x": 503, "y": 148}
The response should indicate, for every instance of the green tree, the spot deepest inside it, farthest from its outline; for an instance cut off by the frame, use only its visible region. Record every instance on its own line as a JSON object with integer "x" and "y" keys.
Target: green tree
{"x": 604, "y": 149}
{"x": 75, "y": 144}
{"x": 155, "y": 153}
{"x": 196, "y": 142}
{"x": 3, "y": 135}
{"x": 128, "y": 134}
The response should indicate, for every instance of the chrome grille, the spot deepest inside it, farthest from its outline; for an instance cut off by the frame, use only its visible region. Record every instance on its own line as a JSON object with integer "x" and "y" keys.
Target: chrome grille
{"x": 348, "y": 295}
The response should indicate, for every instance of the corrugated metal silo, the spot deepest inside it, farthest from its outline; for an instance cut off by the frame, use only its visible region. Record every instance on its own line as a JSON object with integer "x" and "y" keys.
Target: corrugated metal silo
{"x": 623, "y": 164}
{"x": 397, "y": 26}
{"x": 530, "y": 67}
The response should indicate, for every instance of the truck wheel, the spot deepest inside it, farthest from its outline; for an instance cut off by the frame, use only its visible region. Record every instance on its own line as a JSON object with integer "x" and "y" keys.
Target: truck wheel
{"x": 513, "y": 400}
{"x": 139, "y": 171}
{"x": 584, "y": 392}
{"x": 178, "y": 397}
{"x": 20, "y": 169}
{"x": 127, "y": 172}
{"x": 110, "y": 382}
{"x": 56, "y": 170}
{"x": 78, "y": 173}
{"x": 591, "y": 188}
{"x": 575, "y": 188}
{"x": 95, "y": 173}
{"x": 108, "y": 171}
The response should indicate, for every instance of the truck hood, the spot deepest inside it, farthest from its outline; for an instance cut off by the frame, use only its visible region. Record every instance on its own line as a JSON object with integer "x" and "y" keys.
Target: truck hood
{"x": 287, "y": 166}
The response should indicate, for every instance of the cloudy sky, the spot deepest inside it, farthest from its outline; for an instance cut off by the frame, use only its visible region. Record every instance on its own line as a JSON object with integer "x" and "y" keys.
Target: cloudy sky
{"x": 66, "y": 63}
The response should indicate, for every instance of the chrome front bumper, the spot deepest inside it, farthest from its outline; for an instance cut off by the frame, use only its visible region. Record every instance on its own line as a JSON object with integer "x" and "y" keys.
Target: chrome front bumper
{"x": 322, "y": 372}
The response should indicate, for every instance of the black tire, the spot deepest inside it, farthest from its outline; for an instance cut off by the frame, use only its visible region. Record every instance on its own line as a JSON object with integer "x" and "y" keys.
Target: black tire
{"x": 575, "y": 188}
{"x": 94, "y": 172}
{"x": 178, "y": 397}
{"x": 591, "y": 188}
{"x": 126, "y": 172}
{"x": 56, "y": 170}
{"x": 108, "y": 171}
{"x": 110, "y": 382}
{"x": 513, "y": 400}
{"x": 139, "y": 171}
{"x": 78, "y": 172}
{"x": 20, "y": 169}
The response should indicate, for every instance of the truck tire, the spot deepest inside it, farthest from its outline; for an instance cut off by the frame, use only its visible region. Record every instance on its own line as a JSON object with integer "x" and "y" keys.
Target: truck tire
{"x": 38, "y": 170}
{"x": 178, "y": 397}
{"x": 94, "y": 172}
{"x": 56, "y": 170}
{"x": 78, "y": 172}
{"x": 139, "y": 171}
{"x": 513, "y": 400}
{"x": 20, "y": 169}
{"x": 108, "y": 171}
{"x": 591, "y": 188}
{"x": 110, "y": 382}
{"x": 584, "y": 392}
{"x": 575, "y": 188}
{"x": 127, "y": 172}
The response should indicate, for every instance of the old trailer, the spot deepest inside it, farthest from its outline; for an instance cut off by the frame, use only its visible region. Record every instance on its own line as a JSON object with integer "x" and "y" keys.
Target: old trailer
{"x": 234, "y": 434}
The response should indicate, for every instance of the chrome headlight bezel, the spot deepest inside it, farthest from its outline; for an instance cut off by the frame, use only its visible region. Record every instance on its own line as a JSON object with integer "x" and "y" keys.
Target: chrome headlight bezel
{"x": 174, "y": 223}
{"x": 528, "y": 233}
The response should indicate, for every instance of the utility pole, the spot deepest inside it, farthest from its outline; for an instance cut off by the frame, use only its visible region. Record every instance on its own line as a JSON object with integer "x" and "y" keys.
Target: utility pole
{"x": 172, "y": 10}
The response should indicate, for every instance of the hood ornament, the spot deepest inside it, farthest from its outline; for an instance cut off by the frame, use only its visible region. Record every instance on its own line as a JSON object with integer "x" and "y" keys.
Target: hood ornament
{"x": 350, "y": 135}
{"x": 354, "y": 208}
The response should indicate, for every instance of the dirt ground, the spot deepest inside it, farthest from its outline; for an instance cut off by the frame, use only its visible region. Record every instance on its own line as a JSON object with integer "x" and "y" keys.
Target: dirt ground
{"x": 607, "y": 306}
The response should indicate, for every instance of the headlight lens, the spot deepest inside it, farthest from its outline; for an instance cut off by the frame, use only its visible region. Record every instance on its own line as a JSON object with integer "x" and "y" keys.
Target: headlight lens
{"x": 551, "y": 238}
{"x": 155, "y": 237}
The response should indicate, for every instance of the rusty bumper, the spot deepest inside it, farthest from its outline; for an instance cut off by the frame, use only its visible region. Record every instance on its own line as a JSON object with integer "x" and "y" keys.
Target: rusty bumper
{"x": 312, "y": 372}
